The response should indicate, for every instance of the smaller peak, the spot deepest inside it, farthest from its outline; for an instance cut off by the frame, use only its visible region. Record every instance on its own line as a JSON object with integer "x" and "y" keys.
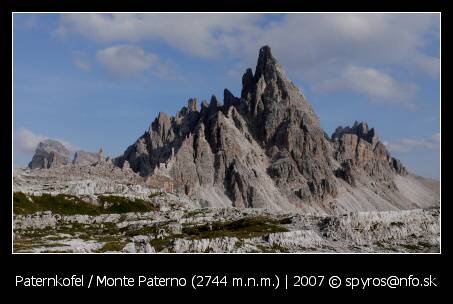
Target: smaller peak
{"x": 229, "y": 99}
{"x": 204, "y": 104}
{"x": 266, "y": 51}
{"x": 192, "y": 105}
{"x": 214, "y": 102}
{"x": 266, "y": 64}
{"x": 162, "y": 118}
{"x": 360, "y": 129}
{"x": 247, "y": 78}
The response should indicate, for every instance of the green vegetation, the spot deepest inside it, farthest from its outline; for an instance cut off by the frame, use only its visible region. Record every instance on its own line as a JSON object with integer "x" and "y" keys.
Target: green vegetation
{"x": 70, "y": 205}
{"x": 194, "y": 213}
{"x": 242, "y": 228}
{"x": 161, "y": 244}
{"x": 118, "y": 204}
{"x": 112, "y": 246}
{"x": 59, "y": 204}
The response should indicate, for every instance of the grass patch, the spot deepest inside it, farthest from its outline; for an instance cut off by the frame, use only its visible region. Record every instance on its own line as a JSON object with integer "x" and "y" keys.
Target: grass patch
{"x": 242, "y": 228}
{"x": 112, "y": 246}
{"x": 411, "y": 247}
{"x": 71, "y": 205}
{"x": 194, "y": 213}
{"x": 161, "y": 244}
{"x": 59, "y": 204}
{"x": 118, "y": 204}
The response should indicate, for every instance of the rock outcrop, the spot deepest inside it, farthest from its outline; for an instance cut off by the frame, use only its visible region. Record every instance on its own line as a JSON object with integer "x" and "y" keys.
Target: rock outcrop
{"x": 49, "y": 153}
{"x": 359, "y": 148}
{"x": 264, "y": 149}
{"x": 84, "y": 158}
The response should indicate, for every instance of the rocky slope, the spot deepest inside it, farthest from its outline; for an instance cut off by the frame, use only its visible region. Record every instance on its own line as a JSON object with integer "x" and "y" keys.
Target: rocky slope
{"x": 102, "y": 208}
{"x": 266, "y": 149}
{"x": 176, "y": 229}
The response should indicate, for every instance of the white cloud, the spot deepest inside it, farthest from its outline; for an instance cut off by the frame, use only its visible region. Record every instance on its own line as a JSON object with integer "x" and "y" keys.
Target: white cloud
{"x": 197, "y": 34}
{"x": 27, "y": 141}
{"x": 407, "y": 144}
{"x": 125, "y": 60}
{"x": 312, "y": 47}
{"x": 376, "y": 84}
{"x": 80, "y": 60}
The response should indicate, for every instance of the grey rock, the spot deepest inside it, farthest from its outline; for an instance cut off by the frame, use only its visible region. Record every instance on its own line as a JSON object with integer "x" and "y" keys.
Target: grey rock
{"x": 49, "y": 153}
{"x": 265, "y": 149}
{"x": 84, "y": 158}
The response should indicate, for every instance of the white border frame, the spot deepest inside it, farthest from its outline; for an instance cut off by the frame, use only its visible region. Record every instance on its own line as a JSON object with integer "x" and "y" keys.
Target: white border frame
{"x": 240, "y": 253}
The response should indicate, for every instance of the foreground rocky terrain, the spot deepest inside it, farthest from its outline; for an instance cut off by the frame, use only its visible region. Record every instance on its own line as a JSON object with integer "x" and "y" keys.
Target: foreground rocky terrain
{"x": 254, "y": 174}
{"x": 96, "y": 208}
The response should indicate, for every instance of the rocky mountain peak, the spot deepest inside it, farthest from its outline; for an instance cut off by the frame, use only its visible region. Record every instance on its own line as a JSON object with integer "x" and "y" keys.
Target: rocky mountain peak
{"x": 360, "y": 129}
{"x": 264, "y": 149}
{"x": 49, "y": 153}
{"x": 266, "y": 65}
{"x": 192, "y": 105}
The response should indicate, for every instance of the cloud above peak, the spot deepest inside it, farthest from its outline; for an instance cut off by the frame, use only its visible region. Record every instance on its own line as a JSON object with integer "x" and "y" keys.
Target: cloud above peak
{"x": 196, "y": 34}
{"x": 340, "y": 51}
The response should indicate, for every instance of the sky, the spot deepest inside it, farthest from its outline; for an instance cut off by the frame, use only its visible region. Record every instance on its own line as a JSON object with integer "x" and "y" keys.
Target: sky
{"x": 92, "y": 80}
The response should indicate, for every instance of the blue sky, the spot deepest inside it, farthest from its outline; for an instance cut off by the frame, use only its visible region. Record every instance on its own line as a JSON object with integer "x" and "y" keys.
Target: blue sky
{"x": 100, "y": 79}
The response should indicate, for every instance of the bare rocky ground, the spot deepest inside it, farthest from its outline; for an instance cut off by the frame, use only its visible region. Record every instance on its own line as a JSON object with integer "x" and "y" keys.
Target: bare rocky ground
{"x": 176, "y": 223}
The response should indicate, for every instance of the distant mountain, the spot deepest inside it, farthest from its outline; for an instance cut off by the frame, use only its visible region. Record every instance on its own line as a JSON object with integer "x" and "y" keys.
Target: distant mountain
{"x": 51, "y": 153}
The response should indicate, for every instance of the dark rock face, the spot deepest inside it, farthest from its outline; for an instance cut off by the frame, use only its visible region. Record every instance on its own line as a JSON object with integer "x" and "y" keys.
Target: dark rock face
{"x": 49, "y": 153}
{"x": 265, "y": 149}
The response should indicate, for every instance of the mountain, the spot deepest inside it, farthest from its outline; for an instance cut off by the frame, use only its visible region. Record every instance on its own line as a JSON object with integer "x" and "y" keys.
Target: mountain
{"x": 49, "y": 153}
{"x": 266, "y": 149}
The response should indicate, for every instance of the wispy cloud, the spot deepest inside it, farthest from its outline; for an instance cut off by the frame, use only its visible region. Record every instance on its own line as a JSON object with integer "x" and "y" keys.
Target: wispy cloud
{"x": 313, "y": 47}
{"x": 307, "y": 39}
{"x": 125, "y": 60}
{"x": 407, "y": 144}
{"x": 27, "y": 141}
{"x": 197, "y": 34}
{"x": 372, "y": 82}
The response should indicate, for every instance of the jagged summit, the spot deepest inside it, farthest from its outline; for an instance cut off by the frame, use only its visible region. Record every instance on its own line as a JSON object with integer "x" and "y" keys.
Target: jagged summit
{"x": 360, "y": 129}
{"x": 266, "y": 149}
